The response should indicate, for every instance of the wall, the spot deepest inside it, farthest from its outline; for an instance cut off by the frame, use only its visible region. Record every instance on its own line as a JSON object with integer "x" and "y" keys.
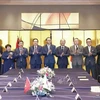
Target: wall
{"x": 10, "y": 16}
{"x": 27, "y": 36}
{"x": 10, "y": 19}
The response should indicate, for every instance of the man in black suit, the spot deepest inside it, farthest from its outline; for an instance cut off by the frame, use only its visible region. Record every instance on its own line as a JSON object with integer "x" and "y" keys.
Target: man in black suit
{"x": 21, "y": 55}
{"x": 89, "y": 53}
{"x": 1, "y": 51}
{"x": 49, "y": 52}
{"x": 98, "y": 60}
{"x": 35, "y": 53}
{"x": 62, "y": 52}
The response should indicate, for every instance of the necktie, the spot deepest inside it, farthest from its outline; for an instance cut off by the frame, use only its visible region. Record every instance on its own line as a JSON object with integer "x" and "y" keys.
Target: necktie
{"x": 35, "y": 49}
{"x": 76, "y": 47}
{"x": 62, "y": 48}
{"x": 89, "y": 48}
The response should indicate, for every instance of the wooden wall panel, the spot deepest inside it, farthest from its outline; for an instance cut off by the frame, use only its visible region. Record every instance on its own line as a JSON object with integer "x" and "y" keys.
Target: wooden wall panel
{"x": 27, "y": 36}
{"x": 3, "y": 38}
{"x": 90, "y": 34}
{"x": 97, "y": 37}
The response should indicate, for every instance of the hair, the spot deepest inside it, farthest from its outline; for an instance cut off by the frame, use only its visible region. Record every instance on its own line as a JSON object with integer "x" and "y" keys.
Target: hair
{"x": 8, "y": 45}
{"x": 88, "y": 39}
{"x": 62, "y": 40}
{"x": 47, "y": 38}
{"x": 21, "y": 41}
{"x": 35, "y": 39}
{"x": 75, "y": 38}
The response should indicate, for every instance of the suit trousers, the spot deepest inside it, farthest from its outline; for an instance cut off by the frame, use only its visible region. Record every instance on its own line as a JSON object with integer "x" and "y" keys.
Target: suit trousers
{"x": 97, "y": 70}
{"x": 77, "y": 66}
{"x": 62, "y": 66}
{"x": 35, "y": 66}
{"x": 50, "y": 65}
{"x": 0, "y": 67}
{"x": 91, "y": 68}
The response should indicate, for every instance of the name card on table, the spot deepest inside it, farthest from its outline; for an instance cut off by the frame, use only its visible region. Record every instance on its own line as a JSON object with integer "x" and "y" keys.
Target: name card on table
{"x": 5, "y": 89}
{"x": 81, "y": 76}
{"x": 19, "y": 76}
{"x": 86, "y": 79}
{"x": 0, "y": 97}
{"x": 9, "y": 84}
{"x": 95, "y": 89}
{"x": 68, "y": 80}
{"x": 19, "y": 73}
{"x": 15, "y": 80}
{"x": 67, "y": 76}
{"x": 77, "y": 97}
{"x": 22, "y": 70}
{"x": 3, "y": 76}
{"x": 70, "y": 84}
{"x": 73, "y": 90}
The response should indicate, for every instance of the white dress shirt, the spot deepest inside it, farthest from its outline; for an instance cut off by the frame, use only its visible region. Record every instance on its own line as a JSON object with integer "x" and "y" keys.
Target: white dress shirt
{"x": 35, "y": 48}
{"x": 89, "y": 48}
{"x": 48, "y": 47}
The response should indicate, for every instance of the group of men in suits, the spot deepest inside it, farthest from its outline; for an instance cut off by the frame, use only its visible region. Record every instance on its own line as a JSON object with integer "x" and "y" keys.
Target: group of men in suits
{"x": 89, "y": 52}
{"x": 62, "y": 52}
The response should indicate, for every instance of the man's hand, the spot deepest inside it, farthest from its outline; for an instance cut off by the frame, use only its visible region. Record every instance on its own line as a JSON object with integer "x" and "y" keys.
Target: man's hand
{"x": 21, "y": 52}
{"x": 10, "y": 56}
{"x": 62, "y": 54}
{"x": 49, "y": 51}
{"x": 90, "y": 53}
{"x": 36, "y": 52}
{"x": 0, "y": 54}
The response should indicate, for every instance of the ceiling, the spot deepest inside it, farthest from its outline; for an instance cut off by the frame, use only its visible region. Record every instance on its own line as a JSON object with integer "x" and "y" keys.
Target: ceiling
{"x": 49, "y": 2}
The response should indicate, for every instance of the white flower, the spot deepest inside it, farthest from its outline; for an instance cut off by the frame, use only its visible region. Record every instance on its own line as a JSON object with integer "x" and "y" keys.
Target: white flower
{"x": 42, "y": 85}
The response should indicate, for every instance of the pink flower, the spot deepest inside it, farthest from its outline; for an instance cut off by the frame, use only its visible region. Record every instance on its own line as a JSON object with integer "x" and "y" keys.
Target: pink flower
{"x": 40, "y": 87}
{"x": 46, "y": 74}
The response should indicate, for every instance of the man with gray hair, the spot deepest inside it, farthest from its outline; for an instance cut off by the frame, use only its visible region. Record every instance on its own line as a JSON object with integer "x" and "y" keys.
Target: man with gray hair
{"x": 76, "y": 51}
{"x": 62, "y": 52}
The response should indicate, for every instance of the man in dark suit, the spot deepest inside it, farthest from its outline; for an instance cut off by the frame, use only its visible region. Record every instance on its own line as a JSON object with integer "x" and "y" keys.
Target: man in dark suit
{"x": 62, "y": 52}
{"x": 49, "y": 52}
{"x": 21, "y": 54}
{"x": 1, "y": 51}
{"x": 89, "y": 53}
{"x": 98, "y": 60}
{"x": 35, "y": 53}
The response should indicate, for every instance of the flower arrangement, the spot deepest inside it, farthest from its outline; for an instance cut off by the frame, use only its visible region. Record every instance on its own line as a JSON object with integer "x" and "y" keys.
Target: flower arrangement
{"x": 46, "y": 71}
{"x": 43, "y": 86}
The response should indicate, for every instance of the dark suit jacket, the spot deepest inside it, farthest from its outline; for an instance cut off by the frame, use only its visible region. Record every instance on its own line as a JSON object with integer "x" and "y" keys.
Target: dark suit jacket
{"x": 98, "y": 53}
{"x": 1, "y": 49}
{"x": 35, "y": 58}
{"x": 21, "y": 59}
{"x": 89, "y": 59}
{"x": 49, "y": 58}
{"x": 8, "y": 62}
{"x": 64, "y": 58}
